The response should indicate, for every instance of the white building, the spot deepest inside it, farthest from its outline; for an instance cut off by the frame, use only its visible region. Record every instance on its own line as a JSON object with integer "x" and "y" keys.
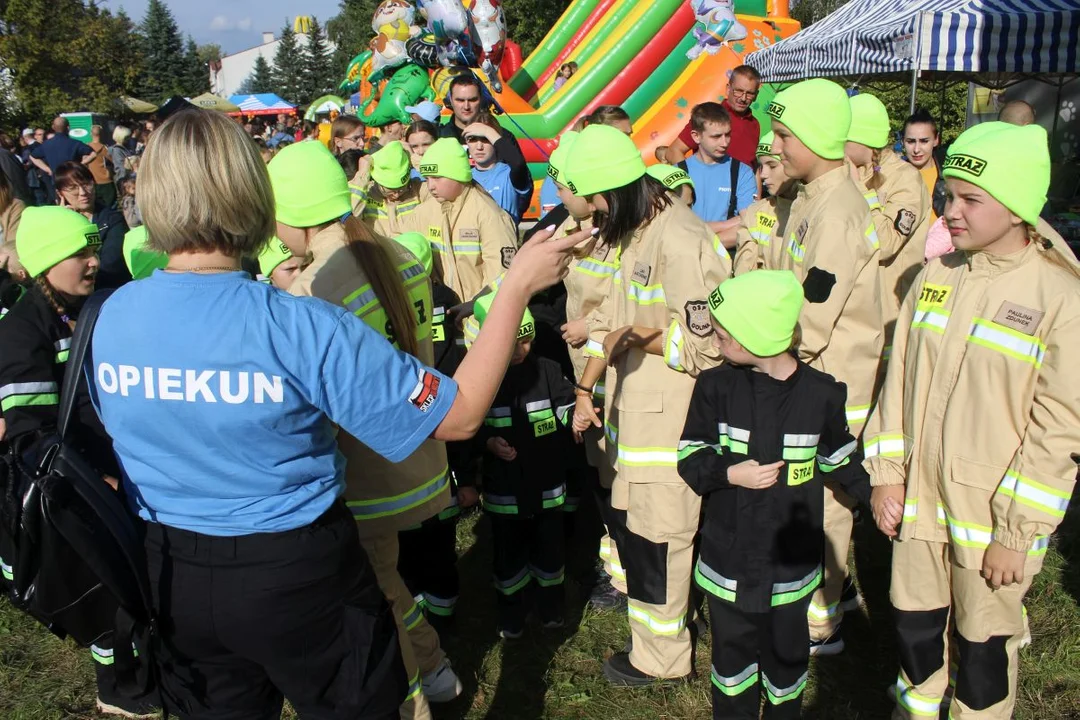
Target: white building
{"x": 229, "y": 74}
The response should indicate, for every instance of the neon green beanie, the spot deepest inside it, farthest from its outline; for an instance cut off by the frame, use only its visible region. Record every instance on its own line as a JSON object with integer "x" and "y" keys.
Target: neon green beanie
{"x": 759, "y": 309}
{"x": 869, "y": 121}
{"x": 310, "y": 188}
{"x": 390, "y": 166}
{"x": 603, "y": 159}
{"x": 764, "y": 146}
{"x": 818, "y": 113}
{"x": 419, "y": 246}
{"x": 559, "y": 158}
{"x": 51, "y": 234}
{"x": 482, "y": 306}
{"x": 141, "y": 260}
{"x": 1011, "y": 162}
{"x": 446, "y": 158}
{"x": 275, "y": 253}
{"x": 672, "y": 177}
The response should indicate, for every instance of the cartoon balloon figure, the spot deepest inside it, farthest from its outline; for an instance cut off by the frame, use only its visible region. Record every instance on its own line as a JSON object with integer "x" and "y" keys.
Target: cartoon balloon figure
{"x": 487, "y": 17}
{"x": 716, "y": 25}
{"x": 393, "y": 26}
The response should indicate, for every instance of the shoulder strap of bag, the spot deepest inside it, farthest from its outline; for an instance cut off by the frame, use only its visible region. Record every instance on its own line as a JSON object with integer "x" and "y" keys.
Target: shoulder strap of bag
{"x": 734, "y": 188}
{"x": 80, "y": 345}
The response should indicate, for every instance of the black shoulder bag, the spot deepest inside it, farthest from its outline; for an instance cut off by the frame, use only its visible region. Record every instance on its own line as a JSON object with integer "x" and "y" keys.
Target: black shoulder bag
{"x": 78, "y": 564}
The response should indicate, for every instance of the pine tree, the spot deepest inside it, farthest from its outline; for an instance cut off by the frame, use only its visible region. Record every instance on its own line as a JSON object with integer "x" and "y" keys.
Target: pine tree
{"x": 318, "y": 64}
{"x": 261, "y": 79}
{"x": 196, "y": 75}
{"x": 350, "y": 29}
{"x": 163, "y": 74}
{"x": 288, "y": 71}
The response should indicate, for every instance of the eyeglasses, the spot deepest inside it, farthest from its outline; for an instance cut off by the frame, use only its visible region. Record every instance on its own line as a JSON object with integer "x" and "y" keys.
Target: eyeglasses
{"x": 745, "y": 93}
{"x": 78, "y": 187}
{"x": 354, "y": 138}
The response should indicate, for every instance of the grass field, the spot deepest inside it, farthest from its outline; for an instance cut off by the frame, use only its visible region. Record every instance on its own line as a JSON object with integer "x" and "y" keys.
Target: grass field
{"x": 558, "y": 675}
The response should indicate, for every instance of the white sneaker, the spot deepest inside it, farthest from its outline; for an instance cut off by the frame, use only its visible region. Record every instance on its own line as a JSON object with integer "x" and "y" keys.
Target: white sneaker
{"x": 442, "y": 684}
{"x": 833, "y": 645}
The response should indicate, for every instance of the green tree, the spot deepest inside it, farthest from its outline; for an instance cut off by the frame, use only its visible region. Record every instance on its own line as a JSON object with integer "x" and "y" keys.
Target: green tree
{"x": 66, "y": 55}
{"x": 318, "y": 64}
{"x": 196, "y": 77}
{"x": 164, "y": 74}
{"x": 288, "y": 73}
{"x": 350, "y": 30}
{"x": 528, "y": 21}
{"x": 210, "y": 52}
{"x": 261, "y": 79}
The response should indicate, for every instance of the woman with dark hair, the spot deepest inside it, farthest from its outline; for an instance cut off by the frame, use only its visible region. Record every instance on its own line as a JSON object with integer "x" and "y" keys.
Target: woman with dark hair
{"x": 668, "y": 262}
{"x": 75, "y": 189}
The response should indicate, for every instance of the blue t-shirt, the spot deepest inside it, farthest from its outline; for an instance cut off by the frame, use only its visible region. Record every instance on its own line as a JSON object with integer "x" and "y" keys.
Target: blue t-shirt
{"x": 496, "y": 180}
{"x": 549, "y": 195}
{"x": 712, "y": 188}
{"x": 60, "y": 149}
{"x": 220, "y": 393}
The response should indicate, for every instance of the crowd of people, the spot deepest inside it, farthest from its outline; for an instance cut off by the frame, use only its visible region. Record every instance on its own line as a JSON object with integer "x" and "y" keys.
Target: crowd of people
{"x": 729, "y": 354}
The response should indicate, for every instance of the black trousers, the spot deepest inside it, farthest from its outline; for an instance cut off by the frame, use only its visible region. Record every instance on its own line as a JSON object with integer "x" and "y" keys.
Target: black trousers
{"x": 246, "y": 621}
{"x": 427, "y": 562}
{"x": 528, "y": 550}
{"x": 755, "y": 653}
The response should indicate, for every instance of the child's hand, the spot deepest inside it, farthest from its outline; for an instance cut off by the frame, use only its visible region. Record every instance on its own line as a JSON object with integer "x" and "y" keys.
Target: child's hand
{"x": 575, "y": 333}
{"x": 752, "y": 476}
{"x": 585, "y": 415}
{"x": 467, "y": 496}
{"x": 887, "y": 504}
{"x": 501, "y": 449}
{"x": 1002, "y": 566}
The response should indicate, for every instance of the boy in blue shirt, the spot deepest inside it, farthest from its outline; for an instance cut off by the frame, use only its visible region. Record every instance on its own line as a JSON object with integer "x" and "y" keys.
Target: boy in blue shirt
{"x": 723, "y": 187}
{"x": 490, "y": 173}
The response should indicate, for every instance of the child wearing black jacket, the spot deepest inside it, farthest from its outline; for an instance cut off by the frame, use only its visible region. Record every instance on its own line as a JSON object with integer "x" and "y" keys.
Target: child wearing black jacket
{"x": 760, "y": 433}
{"x": 527, "y": 439}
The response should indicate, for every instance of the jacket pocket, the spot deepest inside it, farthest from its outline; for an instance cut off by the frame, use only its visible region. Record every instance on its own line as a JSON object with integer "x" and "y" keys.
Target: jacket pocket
{"x": 974, "y": 474}
{"x": 640, "y": 402}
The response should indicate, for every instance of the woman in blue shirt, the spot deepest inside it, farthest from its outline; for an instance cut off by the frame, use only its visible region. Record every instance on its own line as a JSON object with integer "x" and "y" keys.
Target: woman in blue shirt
{"x": 221, "y": 397}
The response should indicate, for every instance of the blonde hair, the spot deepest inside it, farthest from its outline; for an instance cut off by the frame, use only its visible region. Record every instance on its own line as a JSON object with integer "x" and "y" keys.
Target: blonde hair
{"x": 376, "y": 255}
{"x": 120, "y": 134}
{"x": 204, "y": 187}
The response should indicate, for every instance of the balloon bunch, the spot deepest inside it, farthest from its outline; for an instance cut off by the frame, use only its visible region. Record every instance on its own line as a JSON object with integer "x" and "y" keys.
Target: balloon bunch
{"x": 716, "y": 25}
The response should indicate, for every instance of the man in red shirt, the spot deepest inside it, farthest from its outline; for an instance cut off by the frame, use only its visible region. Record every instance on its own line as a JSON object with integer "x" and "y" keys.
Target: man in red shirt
{"x": 742, "y": 90}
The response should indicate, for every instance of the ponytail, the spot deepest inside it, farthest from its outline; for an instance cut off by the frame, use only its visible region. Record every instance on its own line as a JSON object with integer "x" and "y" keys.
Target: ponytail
{"x": 67, "y": 315}
{"x": 377, "y": 257}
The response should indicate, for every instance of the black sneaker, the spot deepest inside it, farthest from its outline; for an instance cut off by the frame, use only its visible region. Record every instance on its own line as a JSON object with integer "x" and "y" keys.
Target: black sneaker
{"x": 605, "y": 597}
{"x": 621, "y": 672}
{"x": 832, "y": 645}
{"x": 850, "y": 599}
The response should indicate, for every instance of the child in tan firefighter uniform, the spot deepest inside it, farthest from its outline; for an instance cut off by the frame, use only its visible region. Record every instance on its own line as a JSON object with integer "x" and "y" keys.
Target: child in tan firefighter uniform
{"x": 526, "y": 439}
{"x": 898, "y": 200}
{"x": 760, "y": 235}
{"x": 761, "y": 433}
{"x": 831, "y": 245}
{"x": 427, "y": 559}
{"x": 667, "y": 266}
{"x": 971, "y": 447}
{"x": 384, "y": 195}
{"x": 384, "y": 285}
{"x": 474, "y": 240}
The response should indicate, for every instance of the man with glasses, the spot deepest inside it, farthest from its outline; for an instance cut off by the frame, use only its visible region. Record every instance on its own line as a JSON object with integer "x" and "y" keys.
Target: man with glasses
{"x": 742, "y": 90}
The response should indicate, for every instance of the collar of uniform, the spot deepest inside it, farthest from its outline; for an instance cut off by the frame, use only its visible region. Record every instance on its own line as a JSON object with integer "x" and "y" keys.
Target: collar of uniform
{"x": 826, "y": 182}
{"x": 328, "y": 240}
{"x": 990, "y": 264}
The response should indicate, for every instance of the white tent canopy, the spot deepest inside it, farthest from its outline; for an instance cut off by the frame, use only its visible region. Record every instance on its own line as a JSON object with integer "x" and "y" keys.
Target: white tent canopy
{"x": 871, "y": 37}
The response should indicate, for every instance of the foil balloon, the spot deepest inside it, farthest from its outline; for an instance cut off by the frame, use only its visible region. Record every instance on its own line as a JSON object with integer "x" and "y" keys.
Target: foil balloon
{"x": 395, "y": 19}
{"x": 716, "y": 24}
{"x": 487, "y": 17}
{"x": 388, "y": 54}
{"x": 407, "y": 86}
{"x": 353, "y": 74}
{"x": 423, "y": 51}
{"x": 446, "y": 19}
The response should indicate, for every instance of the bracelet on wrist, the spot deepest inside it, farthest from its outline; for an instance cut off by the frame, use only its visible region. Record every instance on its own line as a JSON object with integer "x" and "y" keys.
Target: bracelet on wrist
{"x": 584, "y": 389}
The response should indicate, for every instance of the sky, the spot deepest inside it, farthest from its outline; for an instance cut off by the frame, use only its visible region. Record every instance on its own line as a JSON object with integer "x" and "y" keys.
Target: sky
{"x": 233, "y": 24}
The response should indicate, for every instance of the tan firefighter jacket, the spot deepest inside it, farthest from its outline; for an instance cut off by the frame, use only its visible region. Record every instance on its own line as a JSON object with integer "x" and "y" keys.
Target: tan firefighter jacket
{"x": 473, "y": 240}
{"x": 384, "y": 497}
{"x": 390, "y": 218}
{"x": 900, "y": 208}
{"x": 980, "y": 412}
{"x": 832, "y": 247}
{"x": 759, "y": 241}
{"x": 665, "y": 273}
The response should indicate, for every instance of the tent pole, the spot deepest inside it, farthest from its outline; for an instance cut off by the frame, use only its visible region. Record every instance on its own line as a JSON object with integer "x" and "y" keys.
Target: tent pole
{"x": 915, "y": 61}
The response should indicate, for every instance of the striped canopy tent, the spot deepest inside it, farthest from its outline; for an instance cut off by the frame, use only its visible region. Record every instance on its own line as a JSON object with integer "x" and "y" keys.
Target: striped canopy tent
{"x": 261, "y": 104}
{"x": 1000, "y": 41}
